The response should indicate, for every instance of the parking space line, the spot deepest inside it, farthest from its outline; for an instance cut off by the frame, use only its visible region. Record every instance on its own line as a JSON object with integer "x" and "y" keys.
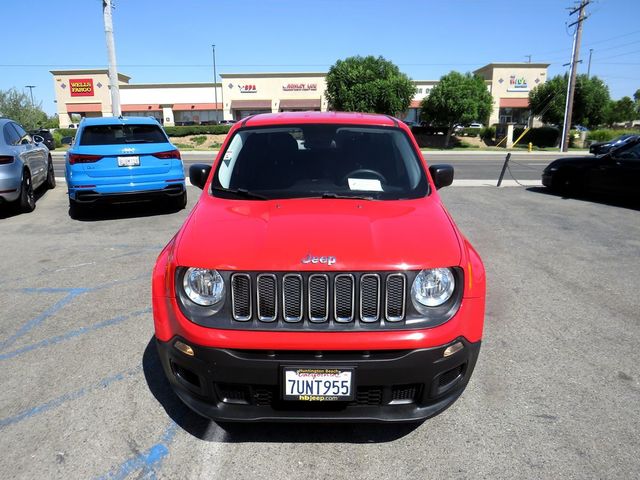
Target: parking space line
{"x": 71, "y": 294}
{"x": 25, "y": 328}
{"x": 147, "y": 460}
{"x": 56, "y": 402}
{"x": 73, "y": 334}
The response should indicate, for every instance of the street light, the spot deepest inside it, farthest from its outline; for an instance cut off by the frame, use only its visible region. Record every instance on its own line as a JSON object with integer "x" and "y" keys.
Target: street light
{"x": 30, "y": 87}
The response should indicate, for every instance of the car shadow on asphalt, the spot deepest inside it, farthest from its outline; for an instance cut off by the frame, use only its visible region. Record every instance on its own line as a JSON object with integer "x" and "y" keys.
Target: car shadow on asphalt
{"x": 120, "y": 211}
{"x": 620, "y": 202}
{"x": 211, "y": 431}
{"x": 8, "y": 210}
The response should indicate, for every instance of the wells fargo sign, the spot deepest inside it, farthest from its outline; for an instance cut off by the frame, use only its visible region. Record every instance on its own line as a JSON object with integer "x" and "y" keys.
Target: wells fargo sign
{"x": 81, "y": 87}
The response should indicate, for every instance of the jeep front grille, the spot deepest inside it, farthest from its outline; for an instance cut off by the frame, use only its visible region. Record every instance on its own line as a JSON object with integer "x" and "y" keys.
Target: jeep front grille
{"x": 319, "y": 298}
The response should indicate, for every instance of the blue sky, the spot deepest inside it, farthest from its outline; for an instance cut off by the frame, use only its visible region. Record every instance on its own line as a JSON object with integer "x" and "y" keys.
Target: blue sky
{"x": 170, "y": 41}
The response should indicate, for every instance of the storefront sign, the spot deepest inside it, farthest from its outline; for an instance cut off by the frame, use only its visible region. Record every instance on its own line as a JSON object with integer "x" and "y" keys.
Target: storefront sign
{"x": 517, "y": 84}
{"x": 247, "y": 88}
{"x": 300, "y": 87}
{"x": 81, "y": 87}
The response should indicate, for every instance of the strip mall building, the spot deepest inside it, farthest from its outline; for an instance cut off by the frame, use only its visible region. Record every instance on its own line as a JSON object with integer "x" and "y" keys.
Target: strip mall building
{"x": 86, "y": 93}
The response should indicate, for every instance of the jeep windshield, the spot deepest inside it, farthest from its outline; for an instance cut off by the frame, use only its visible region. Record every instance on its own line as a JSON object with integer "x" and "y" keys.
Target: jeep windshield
{"x": 320, "y": 161}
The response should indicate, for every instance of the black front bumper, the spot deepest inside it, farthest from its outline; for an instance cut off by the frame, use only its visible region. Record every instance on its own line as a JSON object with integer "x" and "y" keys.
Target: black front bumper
{"x": 245, "y": 385}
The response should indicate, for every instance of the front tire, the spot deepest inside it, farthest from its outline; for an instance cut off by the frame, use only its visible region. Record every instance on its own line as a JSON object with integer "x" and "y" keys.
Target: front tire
{"x": 27, "y": 199}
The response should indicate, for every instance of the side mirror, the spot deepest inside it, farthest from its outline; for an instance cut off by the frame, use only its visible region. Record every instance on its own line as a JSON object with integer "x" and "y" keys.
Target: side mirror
{"x": 37, "y": 138}
{"x": 198, "y": 174}
{"x": 66, "y": 140}
{"x": 442, "y": 175}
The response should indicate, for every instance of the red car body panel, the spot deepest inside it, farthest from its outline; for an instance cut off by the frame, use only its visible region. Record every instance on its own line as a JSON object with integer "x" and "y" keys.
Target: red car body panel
{"x": 276, "y": 235}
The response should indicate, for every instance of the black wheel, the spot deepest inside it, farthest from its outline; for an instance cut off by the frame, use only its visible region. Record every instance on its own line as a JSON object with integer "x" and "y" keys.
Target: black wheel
{"x": 51, "y": 177}
{"x": 27, "y": 199}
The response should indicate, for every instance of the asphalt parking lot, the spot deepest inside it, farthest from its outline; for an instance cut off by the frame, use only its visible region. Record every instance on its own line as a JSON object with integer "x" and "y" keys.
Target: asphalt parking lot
{"x": 555, "y": 393}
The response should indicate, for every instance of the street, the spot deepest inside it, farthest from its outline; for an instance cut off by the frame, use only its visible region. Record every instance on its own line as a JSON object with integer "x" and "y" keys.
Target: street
{"x": 468, "y": 166}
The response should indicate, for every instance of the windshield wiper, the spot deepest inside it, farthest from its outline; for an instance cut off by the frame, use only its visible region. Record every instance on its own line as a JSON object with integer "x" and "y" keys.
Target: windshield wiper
{"x": 241, "y": 192}
{"x": 349, "y": 197}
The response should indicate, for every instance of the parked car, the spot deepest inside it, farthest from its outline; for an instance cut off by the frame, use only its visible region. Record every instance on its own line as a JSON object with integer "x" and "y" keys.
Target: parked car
{"x": 227, "y": 122}
{"x": 615, "y": 172}
{"x": 475, "y": 125}
{"x": 599, "y": 148}
{"x": 319, "y": 280}
{"x": 123, "y": 159}
{"x": 47, "y": 136}
{"x": 25, "y": 165}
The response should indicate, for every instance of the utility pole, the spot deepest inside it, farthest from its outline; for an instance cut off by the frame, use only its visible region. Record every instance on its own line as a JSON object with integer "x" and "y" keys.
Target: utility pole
{"x": 568, "y": 110}
{"x": 111, "y": 51}
{"x": 589, "y": 66}
{"x": 30, "y": 87}
{"x": 528, "y": 58}
{"x": 215, "y": 80}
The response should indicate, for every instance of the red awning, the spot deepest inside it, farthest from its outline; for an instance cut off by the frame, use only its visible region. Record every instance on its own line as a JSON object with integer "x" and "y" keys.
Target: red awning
{"x": 514, "y": 102}
{"x": 141, "y": 108}
{"x": 415, "y": 103}
{"x": 308, "y": 103}
{"x": 251, "y": 104}
{"x": 181, "y": 107}
{"x": 83, "y": 107}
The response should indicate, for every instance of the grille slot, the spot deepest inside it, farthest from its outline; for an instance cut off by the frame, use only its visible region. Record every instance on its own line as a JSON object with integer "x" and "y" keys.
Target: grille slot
{"x": 370, "y": 297}
{"x": 336, "y": 299}
{"x": 241, "y": 296}
{"x": 318, "y": 298}
{"x": 292, "y": 297}
{"x": 267, "y": 297}
{"x": 344, "y": 298}
{"x": 396, "y": 286}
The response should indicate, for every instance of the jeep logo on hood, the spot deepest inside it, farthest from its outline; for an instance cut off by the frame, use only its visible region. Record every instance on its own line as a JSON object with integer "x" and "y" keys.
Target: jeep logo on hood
{"x": 328, "y": 260}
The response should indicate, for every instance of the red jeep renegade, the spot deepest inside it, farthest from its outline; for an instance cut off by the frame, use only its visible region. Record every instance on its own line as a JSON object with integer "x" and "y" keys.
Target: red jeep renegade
{"x": 319, "y": 278}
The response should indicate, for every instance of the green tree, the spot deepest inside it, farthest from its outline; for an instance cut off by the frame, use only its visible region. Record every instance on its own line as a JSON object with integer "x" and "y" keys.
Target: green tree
{"x": 17, "y": 106}
{"x": 457, "y": 98}
{"x": 627, "y": 109}
{"x": 590, "y": 101}
{"x": 368, "y": 84}
{"x": 636, "y": 98}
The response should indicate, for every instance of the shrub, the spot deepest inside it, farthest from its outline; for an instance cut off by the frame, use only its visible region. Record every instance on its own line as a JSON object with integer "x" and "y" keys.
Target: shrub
{"x": 607, "y": 134}
{"x": 197, "y": 130}
{"x": 488, "y": 133}
{"x": 199, "y": 140}
{"x": 540, "y": 137}
{"x": 469, "y": 132}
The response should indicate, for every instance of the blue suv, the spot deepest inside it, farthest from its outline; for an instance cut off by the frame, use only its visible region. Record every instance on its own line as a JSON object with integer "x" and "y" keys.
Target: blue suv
{"x": 123, "y": 159}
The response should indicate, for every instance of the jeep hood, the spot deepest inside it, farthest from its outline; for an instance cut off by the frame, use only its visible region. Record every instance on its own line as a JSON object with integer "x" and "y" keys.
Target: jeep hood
{"x": 277, "y": 234}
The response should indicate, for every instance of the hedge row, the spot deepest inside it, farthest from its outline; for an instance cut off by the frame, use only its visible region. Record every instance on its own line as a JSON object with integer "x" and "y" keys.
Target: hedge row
{"x": 539, "y": 137}
{"x": 608, "y": 134}
{"x": 197, "y": 130}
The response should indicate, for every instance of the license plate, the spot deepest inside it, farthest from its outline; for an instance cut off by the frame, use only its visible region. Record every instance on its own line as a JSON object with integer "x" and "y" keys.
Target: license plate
{"x": 130, "y": 161}
{"x": 310, "y": 384}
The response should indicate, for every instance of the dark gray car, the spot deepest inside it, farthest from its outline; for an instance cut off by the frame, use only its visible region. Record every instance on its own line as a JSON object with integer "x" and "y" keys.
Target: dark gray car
{"x": 25, "y": 164}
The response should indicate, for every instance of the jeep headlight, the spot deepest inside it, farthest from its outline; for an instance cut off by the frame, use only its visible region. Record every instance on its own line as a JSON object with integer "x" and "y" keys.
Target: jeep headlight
{"x": 203, "y": 287}
{"x": 432, "y": 287}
